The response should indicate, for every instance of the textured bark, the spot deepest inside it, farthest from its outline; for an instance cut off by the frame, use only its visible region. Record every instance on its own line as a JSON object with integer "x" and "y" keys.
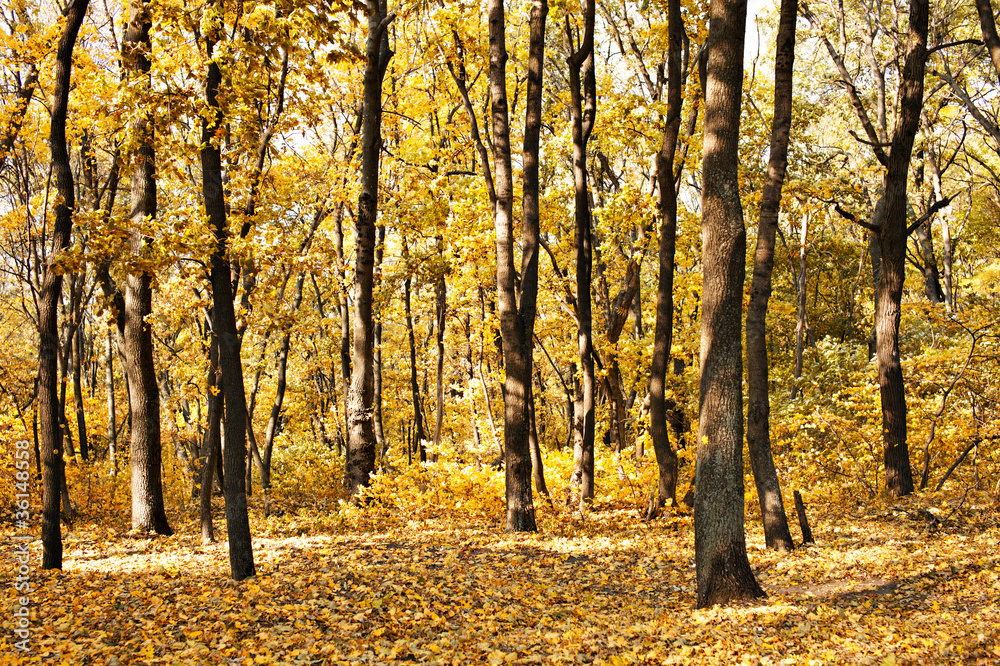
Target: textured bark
{"x": 516, "y": 323}
{"x": 360, "y": 427}
{"x": 583, "y": 103}
{"x": 241, "y": 560}
{"x": 112, "y": 428}
{"x": 440, "y": 315}
{"x": 666, "y": 459}
{"x": 987, "y": 23}
{"x": 721, "y": 564}
{"x": 772, "y": 508}
{"x": 50, "y": 434}
{"x": 892, "y": 240}
{"x": 145, "y": 451}
{"x": 81, "y": 417}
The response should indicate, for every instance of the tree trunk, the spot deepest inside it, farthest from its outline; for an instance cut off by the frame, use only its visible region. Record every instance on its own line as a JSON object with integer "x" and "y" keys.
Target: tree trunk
{"x": 440, "y": 312}
{"x": 892, "y": 241}
{"x": 241, "y": 560}
{"x": 666, "y": 459}
{"x": 360, "y": 426}
{"x": 800, "y": 321}
{"x": 112, "y": 428}
{"x": 25, "y": 92}
{"x": 212, "y": 445}
{"x": 81, "y": 417}
{"x": 516, "y": 319}
{"x": 48, "y": 331}
{"x": 721, "y": 564}
{"x": 419, "y": 436}
{"x": 380, "y": 441}
{"x": 148, "y": 513}
{"x": 772, "y": 507}
{"x": 584, "y": 107}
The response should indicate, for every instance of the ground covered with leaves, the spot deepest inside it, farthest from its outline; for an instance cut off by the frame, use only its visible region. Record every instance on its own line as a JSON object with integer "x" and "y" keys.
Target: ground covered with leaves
{"x": 424, "y": 573}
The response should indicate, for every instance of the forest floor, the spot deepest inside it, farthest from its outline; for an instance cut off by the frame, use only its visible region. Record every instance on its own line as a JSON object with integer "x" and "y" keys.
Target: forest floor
{"x": 882, "y": 584}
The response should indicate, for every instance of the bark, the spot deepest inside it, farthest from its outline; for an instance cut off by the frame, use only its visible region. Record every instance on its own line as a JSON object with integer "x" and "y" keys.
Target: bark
{"x": 666, "y": 459}
{"x": 145, "y": 451}
{"x": 721, "y": 564}
{"x": 516, "y": 319}
{"x": 241, "y": 560}
{"x": 583, "y": 102}
{"x": 892, "y": 238}
{"x": 772, "y": 509}
{"x": 987, "y": 23}
{"x": 50, "y": 434}
{"x": 360, "y": 426}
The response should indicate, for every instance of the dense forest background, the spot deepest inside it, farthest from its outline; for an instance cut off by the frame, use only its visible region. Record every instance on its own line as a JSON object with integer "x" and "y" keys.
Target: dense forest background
{"x": 305, "y": 201}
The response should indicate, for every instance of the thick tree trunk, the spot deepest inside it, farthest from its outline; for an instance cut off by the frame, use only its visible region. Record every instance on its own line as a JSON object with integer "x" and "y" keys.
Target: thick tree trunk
{"x": 48, "y": 331}
{"x": 516, "y": 320}
{"x": 583, "y": 102}
{"x": 666, "y": 459}
{"x": 148, "y": 513}
{"x": 721, "y": 564}
{"x": 241, "y": 560}
{"x": 360, "y": 426}
{"x": 892, "y": 241}
{"x": 772, "y": 507}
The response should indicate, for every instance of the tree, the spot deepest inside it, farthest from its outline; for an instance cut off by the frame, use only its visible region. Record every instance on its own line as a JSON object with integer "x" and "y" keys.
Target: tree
{"x": 148, "y": 513}
{"x": 516, "y": 318}
{"x": 361, "y": 448}
{"x": 666, "y": 459}
{"x": 721, "y": 564}
{"x": 772, "y": 507}
{"x": 241, "y": 560}
{"x": 48, "y": 332}
{"x": 583, "y": 102}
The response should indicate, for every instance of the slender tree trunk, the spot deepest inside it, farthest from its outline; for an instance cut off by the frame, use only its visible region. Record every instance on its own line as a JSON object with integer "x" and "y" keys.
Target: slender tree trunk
{"x": 383, "y": 445}
{"x": 419, "y": 436}
{"x": 666, "y": 459}
{"x": 516, "y": 319}
{"x": 48, "y": 331}
{"x": 772, "y": 506}
{"x": 148, "y": 513}
{"x": 440, "y": 311}
{"x": 892, "y": 241}
{"x": 537, "y": 465}
{"x": 721, "y": 565}
{"x": 112, "y": 417}
{"x": 583, "y": 101}
{"x": 241, "y": 560}
{"x": 360, "y": 426}
{"x": 81, "y": 417}
{"x": 800, "y": 322}
{"x": 212, "y": 445}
